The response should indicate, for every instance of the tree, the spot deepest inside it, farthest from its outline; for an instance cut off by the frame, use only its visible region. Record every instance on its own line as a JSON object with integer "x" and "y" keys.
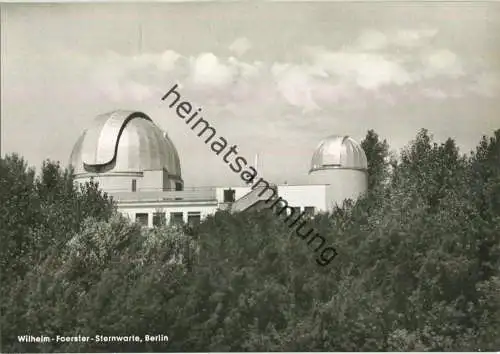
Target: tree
{"x": 111, "y": 278}
{"x": 417, "y": 266}
{"x": 38, "y": 215}
{"x": 19, "y": 209}
{"x": 377, "y": 154}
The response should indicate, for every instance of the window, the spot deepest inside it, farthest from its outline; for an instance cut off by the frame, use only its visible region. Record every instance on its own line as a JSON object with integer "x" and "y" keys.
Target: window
{"x": 229, "y": 195}
{"x": 159, "y": 219}
{"x": 176, "y": 218}
{"x": 309, "y": 210}
{"x": 142, "y": 218}
{"x": 178, "y": 186}
{"x": 134, "y": 185}
{"x": 194, "y": 217}
{"x": 296, "y": 211}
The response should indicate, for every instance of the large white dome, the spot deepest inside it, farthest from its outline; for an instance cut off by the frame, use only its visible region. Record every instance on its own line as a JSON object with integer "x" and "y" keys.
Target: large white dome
{"x": 338, "y": 152}
{"x": 122, "y": 142}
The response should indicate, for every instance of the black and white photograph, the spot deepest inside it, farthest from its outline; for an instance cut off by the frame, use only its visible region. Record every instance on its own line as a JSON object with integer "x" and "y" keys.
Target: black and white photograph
{"x": 250, "y": 176}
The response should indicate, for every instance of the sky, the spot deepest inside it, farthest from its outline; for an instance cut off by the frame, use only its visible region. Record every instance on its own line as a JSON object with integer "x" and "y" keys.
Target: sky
{"x": 274, "y": 78}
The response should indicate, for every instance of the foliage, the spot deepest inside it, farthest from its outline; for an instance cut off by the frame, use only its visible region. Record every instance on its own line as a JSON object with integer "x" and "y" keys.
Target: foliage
{"x": 38, "y": 215}
{"x": 418, "y": 265}
{"x": 377, "y": 154}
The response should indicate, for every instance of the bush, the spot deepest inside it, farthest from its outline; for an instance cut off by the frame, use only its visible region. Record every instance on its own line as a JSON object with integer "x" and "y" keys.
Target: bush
{"x": 418, "y": 265}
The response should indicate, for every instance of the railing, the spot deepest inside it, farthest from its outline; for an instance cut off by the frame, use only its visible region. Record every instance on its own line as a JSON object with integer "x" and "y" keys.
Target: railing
{"x": 193, "y": 195}
{"x": 143, "y": 189}
{"x": 252, "y": 198}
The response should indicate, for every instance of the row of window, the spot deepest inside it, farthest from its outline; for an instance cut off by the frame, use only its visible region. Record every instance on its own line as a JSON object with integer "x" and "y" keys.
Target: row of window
{"x": 229, "y": 197}
{"x": 159, "y": 219}
{"x": 193, "y": 217}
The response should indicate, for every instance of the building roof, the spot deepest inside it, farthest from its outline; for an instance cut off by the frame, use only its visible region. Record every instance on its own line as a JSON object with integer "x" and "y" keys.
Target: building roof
{"x": 123, "y": 142}
{"x": 338, "y": 152}
{"x": 181, "y": 197}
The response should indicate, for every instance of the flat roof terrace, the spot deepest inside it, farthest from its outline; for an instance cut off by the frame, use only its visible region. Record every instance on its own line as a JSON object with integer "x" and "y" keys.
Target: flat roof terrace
{"x": 149, "y": 196}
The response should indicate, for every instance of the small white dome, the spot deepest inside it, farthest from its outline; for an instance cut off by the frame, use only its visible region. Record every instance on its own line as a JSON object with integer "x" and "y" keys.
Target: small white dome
{"x": 338, "y": 152}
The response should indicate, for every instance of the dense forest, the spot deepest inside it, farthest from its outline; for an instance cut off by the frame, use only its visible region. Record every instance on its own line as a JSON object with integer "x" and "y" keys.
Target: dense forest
{"x": 417, "y": 267}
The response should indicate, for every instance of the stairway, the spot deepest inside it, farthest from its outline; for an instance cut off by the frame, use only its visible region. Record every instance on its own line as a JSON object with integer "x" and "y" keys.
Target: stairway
{"x": 252, "y": 199}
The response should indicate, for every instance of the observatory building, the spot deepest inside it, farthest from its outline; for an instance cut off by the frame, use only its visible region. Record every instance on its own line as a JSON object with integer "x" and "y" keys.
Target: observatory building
{"x": 127, "y": 151}
{"x": 137, "y": 164}
{"x": 340, "y": 163}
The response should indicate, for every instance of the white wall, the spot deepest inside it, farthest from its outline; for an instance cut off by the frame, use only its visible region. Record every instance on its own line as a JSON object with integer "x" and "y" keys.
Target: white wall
{"x": 304, "y": 195}
{"x": 342, "y": 184}
{"x": 145, "y": 181}
{"x": 319, "y": 195}
{"x": 151, "y": 181}
{"x": 113, "y": 183}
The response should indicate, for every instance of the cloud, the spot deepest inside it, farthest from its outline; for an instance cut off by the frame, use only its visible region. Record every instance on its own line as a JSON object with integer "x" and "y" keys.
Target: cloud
{"x": 245, "y": 70}
{"x": 207, "y": 69}
{"x": 434, "y": 93}
{"x": 167, "y": 60}
{"x": 442, "y": 62}
{"x": 369, "y": 71}
{"x": 373, "y": 67}
{"x": 295, "y": 84}
{"x": 240, "y": 46}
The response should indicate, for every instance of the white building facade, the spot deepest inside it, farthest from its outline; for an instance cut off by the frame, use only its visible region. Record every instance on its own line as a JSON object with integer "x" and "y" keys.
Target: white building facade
{"x": 138, "y": 165}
